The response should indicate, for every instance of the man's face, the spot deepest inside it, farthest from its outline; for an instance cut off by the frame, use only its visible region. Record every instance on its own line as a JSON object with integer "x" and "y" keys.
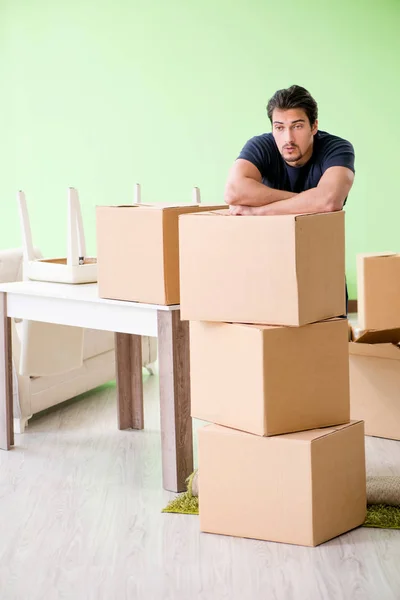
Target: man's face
{"x": 293, "y": 135}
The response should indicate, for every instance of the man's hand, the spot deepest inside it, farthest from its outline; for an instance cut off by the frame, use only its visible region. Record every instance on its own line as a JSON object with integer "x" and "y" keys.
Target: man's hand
{"x": 244, "y": 211}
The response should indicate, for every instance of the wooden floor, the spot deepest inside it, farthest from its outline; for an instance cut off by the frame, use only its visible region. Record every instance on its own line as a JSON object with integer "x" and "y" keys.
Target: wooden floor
{"x": 80, "y": 519}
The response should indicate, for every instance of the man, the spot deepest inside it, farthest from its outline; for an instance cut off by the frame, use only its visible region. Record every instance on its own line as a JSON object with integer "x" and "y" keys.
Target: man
{"x": 296, "y": 168}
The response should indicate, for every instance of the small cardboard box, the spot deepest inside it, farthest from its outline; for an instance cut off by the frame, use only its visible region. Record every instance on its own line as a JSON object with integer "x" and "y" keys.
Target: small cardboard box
{"x": 138, "y": 251}
{"x": 378, "y": 290}
{"x": 302, "y": 488}
{"x": 375, "y": 382}
{"x": 269, "y": 380}
{"x": 280, "y": 270}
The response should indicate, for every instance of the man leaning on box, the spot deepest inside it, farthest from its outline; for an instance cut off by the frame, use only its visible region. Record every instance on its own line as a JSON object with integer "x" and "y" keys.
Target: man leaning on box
{"x": 295, "y": 169}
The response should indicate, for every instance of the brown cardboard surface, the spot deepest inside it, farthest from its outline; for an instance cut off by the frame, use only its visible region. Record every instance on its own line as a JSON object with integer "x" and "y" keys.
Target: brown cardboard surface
{"x": 138, "y": 251}
{"x": 374, "y": 388}
{"x": 384, "y": 336}
{"x": 270, "y": 380}
{"x": 379, "y": 344}
{"x": 284, "y": 489}
{"x": 284, "y": 270}
{"x": 388, "y": 351}
{"x": 378, "y": 290}
{"x": 339, "y": 482}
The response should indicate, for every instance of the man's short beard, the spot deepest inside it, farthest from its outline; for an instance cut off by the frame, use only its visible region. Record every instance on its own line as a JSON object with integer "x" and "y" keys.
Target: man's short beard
{"x": 292, "y": 158}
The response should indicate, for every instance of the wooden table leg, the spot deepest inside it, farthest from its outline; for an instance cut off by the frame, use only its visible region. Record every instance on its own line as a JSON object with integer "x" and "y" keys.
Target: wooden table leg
{"x": 176, "y": 422}
{"x": 6, "y": 382}
{"x": 128, "y": 357}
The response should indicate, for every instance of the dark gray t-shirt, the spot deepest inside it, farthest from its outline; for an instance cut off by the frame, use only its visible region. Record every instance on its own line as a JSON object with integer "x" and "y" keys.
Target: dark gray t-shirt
{"x": 328, "y": 151}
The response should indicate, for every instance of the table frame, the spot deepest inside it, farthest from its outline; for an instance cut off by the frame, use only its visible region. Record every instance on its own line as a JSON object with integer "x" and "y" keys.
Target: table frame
{"x": 80, "y": 306}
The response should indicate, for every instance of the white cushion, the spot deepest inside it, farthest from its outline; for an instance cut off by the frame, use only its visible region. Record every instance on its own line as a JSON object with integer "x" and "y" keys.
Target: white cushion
{"x": 96, "y": 342}
{"x": 49, "y": 349}
{"x": 10, "y": 265}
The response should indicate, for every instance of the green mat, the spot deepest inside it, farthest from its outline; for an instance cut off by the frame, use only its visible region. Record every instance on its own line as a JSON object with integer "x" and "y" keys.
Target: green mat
{"x": 378, "y": 515}
{"x": 383, "y": 516}
{"x": 184, "y": 504}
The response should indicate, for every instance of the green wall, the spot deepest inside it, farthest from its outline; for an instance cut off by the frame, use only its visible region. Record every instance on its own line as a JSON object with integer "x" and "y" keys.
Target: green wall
{"x": 101, "y": 94}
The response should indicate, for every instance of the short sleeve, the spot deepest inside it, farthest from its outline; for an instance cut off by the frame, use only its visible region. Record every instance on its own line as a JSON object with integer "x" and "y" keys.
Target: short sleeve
{"x": 257, "y": 151}
{"x": 338, "y": 153}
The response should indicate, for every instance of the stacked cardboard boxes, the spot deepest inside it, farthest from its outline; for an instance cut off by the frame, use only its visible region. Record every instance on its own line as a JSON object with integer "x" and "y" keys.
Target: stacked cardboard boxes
{"x": 281, "y": 460}
{"x": 374, "y": 348}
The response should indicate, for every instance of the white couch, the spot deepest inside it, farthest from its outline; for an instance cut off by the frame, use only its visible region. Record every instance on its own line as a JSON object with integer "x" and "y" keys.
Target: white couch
{"x": 33, "y": 394}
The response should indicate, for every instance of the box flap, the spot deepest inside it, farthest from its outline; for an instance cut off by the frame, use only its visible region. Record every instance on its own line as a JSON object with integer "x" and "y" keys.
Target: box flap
{"x": 161, "y": 206}
{"x": 294, "y": 217}
{"x": 221, "y": 211}
{"x": 256, "y": 326}
{"x": 362, "y": 256}
{"x": 108, "y": 206}
{"x": 263, "y": 326}
{"x": 226, "y": 213}
{"x": 368, "y": 298}
{"x": 301, "y": 436}
{"x": 298, "y": 216}
{"x": 390, "y": 351}
{"x": 316, "y": 434}
{"x": 384, "y": 336}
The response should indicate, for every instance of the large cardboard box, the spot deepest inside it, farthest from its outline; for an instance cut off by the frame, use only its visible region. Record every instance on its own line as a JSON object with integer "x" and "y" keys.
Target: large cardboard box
{"x": 301, "y": 488}
{"x": 138, "y": 251}
{"x": 375, "y": 382}
{"x": 269, "y": 380}
{"x": 278, "y": 270}
{"x": 378, "y": 290}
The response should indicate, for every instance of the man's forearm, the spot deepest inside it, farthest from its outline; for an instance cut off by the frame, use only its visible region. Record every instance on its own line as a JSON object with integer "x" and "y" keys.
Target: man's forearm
{"x": 311, "y": 201}
{"x": 249, "y": 192}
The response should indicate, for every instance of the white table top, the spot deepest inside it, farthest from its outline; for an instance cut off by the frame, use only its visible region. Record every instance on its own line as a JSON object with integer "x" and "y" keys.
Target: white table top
{"x": 86, "y": 292}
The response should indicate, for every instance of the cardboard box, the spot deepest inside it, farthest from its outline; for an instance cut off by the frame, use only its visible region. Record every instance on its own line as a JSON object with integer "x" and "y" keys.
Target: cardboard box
{"x": 280, "y": 270}
{"x": 303, "y": 488}
{"x": 269, "y": 380}
{"x": 375, "y": 382}
{"x": 138, "y": 251}
{"x": 378, "y": 290}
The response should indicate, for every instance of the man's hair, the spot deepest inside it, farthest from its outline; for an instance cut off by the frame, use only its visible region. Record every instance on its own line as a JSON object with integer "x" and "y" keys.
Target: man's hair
{"x": 294, "y": 97}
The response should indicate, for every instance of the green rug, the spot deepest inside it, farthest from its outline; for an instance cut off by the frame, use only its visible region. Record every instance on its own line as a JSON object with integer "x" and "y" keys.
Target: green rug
{"x": 378, "y": 515}
{"x": 383, "y": 516}
{"x": 186, "y": 503}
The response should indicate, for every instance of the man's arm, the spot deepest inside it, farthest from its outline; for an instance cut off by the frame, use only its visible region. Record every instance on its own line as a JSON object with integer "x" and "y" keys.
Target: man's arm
{"x": 244, "y": 187}
{"x": 328, "y": 196}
